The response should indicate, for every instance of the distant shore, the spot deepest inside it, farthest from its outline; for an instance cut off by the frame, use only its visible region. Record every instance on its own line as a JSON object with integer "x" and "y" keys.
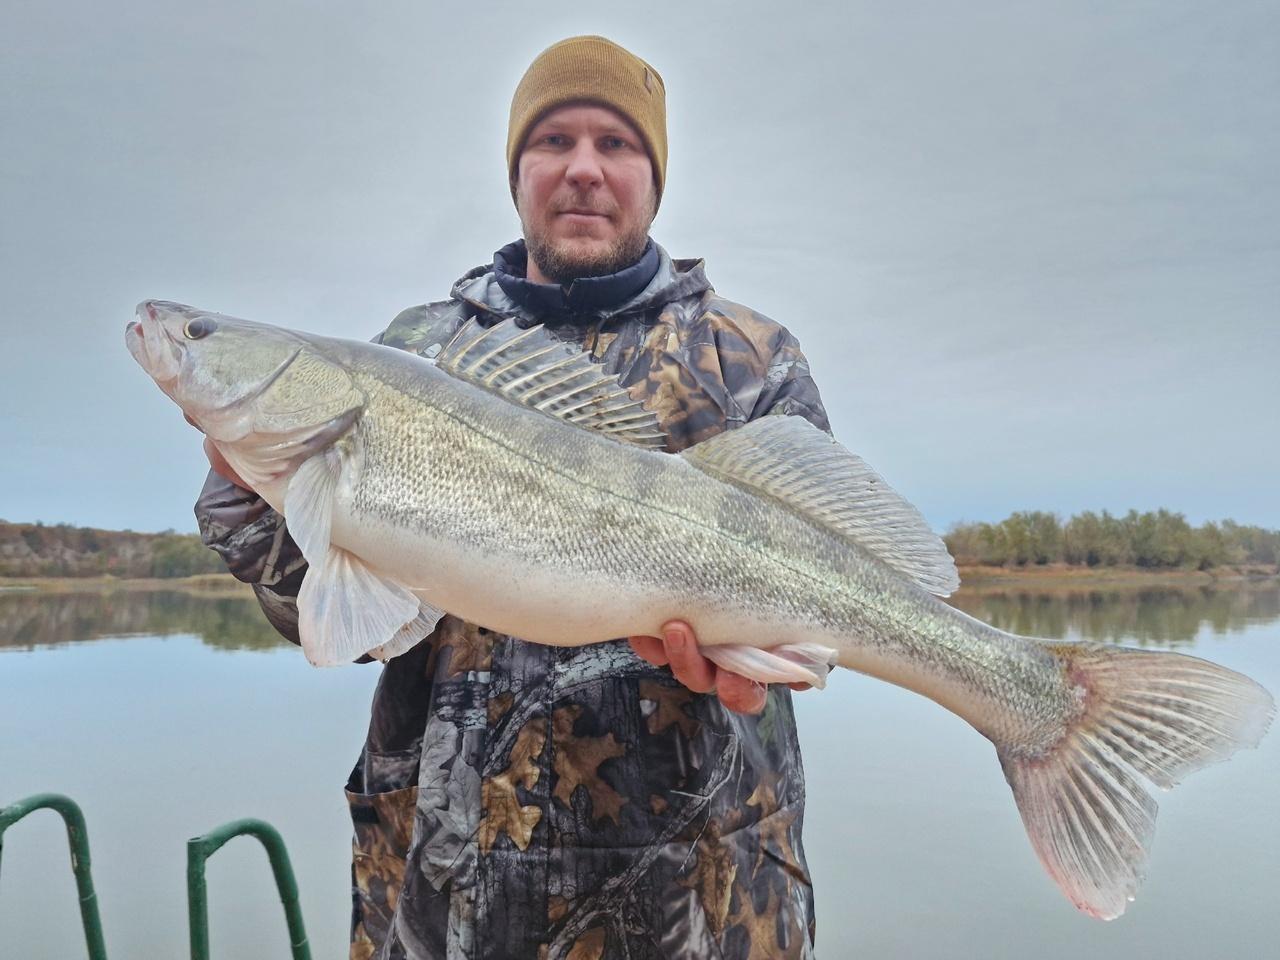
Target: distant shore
{"x": 1059, "y": 575}
{"x": 208, "y": 583}
{"x": 1049, "y": 576}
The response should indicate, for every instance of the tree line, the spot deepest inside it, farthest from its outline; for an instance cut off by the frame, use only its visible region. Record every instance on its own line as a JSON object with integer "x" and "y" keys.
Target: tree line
{"x": 61, "y": 550}
{"x": 1158, "y": 539}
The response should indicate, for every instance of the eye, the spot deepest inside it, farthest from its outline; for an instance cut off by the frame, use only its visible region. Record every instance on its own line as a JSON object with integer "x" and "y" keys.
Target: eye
{"x": 199, "y": 327}
{"x": 615, "y": 143}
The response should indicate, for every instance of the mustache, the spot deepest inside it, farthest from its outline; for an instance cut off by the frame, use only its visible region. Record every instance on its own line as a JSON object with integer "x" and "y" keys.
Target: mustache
{"x": 583, "y": 203}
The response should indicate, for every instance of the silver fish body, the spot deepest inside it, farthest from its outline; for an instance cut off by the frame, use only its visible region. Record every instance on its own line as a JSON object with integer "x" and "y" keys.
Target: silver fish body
{"x": 472, "y": 485}
{"x": 589, "y": 539}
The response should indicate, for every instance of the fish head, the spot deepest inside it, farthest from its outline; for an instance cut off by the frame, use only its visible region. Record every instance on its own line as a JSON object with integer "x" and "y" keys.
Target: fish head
{"x": 248, "y": 386}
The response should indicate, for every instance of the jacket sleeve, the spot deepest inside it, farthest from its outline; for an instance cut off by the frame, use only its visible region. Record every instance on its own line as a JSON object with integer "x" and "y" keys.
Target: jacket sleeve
{"x": 789, "y": 388}
{"x": 750, "y": 365}
{"x": 254, "y": 542}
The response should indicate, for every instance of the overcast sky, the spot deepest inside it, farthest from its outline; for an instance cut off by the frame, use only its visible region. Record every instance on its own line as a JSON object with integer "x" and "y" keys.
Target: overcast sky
{"x": 1032, "y": 249}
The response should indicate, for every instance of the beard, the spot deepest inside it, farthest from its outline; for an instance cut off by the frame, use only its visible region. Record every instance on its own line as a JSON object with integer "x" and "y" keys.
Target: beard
{"x": 562, "y": 263}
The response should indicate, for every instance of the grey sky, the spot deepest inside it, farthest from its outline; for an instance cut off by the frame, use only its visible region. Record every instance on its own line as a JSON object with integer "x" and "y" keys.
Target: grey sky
{"x": 1032, "y": 250}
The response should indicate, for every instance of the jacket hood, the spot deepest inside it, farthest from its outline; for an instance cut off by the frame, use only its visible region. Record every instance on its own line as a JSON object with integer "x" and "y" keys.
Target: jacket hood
{"x": 674, "y": 280}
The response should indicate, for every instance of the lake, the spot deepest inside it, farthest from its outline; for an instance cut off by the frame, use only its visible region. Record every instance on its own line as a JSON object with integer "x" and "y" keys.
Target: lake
{"x": 167, "y": 713}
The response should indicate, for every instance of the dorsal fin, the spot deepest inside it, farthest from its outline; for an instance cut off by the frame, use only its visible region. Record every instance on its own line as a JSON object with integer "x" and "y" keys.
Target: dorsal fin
{"x": 791, "y": 460}
{"x": 532, "y": 368}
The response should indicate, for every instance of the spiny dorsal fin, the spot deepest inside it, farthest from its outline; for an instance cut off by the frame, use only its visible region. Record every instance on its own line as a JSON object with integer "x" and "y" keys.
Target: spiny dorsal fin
{"x": 793, "y": 461}
{"x": 532, "y": 368}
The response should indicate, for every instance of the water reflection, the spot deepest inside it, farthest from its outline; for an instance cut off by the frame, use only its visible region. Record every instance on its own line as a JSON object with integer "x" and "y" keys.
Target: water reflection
{"x": 1165, "y": 616}
{"x": 900, "y": 867}
{"x": 31, "y": 619}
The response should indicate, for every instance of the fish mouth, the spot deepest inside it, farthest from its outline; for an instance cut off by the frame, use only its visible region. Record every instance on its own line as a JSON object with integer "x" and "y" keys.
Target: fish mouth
{"x": 152, "y": 346}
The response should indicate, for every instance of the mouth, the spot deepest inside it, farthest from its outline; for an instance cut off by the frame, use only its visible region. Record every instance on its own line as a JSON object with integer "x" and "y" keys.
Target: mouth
{"x": 595, "y": 214}
{"x": 152, "y": 346}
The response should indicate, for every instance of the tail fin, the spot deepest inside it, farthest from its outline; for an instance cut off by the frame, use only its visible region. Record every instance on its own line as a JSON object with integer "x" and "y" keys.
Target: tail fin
{"x": 1148, "y": 715}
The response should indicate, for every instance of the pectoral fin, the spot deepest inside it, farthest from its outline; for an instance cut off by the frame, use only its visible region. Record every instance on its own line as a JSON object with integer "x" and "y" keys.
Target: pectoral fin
{"x": 308, "y": 505}
{"x": 347, "y": 609}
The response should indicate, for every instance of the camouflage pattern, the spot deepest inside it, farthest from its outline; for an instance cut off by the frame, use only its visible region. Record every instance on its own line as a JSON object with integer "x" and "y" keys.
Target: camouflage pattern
{"x": 515, "y": 800}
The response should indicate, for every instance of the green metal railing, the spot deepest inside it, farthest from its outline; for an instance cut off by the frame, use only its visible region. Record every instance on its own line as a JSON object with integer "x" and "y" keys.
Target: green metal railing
{"x": 78, "y": 841}
{"x": 199, "y": 850}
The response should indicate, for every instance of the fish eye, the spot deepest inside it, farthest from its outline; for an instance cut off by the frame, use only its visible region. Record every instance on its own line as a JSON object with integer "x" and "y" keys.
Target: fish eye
{"x": 199, "y": 327}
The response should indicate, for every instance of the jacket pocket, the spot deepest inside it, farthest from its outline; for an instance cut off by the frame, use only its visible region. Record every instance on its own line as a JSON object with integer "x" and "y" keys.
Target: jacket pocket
{"x": 382, "y": 794}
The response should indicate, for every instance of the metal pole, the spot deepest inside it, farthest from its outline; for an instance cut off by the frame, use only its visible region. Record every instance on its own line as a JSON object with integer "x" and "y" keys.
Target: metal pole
{"x": 78, "y": 842}
{"x": 200, "y": 849}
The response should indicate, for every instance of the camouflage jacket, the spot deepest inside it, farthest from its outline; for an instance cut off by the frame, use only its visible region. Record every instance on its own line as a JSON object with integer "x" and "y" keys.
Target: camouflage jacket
{"x": 522, "y": 801}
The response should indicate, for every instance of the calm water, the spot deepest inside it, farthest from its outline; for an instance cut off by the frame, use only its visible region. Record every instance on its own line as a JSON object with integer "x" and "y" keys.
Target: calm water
{"x": 165, "y": 714}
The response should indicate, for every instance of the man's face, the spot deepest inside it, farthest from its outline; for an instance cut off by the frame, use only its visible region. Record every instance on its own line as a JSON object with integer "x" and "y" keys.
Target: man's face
{"x": 585, "y": 194}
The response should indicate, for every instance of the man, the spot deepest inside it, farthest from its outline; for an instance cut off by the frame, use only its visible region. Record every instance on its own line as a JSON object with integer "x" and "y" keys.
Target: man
{"x": 515, "y": 800}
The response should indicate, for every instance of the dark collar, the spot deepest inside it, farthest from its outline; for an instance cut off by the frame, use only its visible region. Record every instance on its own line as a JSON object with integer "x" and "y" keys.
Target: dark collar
{"x": 584, "y": 295}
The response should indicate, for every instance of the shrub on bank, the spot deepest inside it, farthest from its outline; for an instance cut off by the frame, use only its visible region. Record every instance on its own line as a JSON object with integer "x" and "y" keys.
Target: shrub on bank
{"x": 61, "y": 550}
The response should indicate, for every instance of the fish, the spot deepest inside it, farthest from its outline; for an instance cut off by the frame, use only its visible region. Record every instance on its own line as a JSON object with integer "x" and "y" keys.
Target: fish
{"x": 512, "y": 483}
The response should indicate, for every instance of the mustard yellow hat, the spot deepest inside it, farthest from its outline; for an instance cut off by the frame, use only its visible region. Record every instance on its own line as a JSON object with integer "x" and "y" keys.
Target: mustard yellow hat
{"x": 596, "y": 70}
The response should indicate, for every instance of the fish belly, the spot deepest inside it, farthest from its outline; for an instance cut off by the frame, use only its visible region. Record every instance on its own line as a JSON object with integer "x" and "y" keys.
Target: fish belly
{"x": 561, "y": 605}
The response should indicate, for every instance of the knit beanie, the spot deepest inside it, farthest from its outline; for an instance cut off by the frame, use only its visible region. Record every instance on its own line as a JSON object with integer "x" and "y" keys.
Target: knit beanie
{"x": 595, "y": 70}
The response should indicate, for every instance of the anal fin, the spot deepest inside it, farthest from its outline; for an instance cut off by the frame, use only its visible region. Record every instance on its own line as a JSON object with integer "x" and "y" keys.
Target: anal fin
{"x": 789, "y": 663}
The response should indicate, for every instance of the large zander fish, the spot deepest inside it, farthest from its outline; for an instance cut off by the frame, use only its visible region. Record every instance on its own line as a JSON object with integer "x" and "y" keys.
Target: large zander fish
{"x": 511, "y": 483}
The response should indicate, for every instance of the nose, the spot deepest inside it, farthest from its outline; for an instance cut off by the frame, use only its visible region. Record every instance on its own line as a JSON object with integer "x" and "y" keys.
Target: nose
{"x": 584, "y": 168}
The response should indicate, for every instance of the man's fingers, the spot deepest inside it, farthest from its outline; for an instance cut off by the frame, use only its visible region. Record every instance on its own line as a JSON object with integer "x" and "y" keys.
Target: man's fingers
{"x": 679, "y": 648}
{"x": 220, "y": 465}
{"x": 740, "y": 694}
{"x": 689, "y": 666}
{"x": 649, "y": 649}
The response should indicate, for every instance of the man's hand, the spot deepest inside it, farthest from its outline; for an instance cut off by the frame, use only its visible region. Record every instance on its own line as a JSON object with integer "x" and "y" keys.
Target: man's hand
{"x": 220, "y": 465}
{"x": 679, "y": 647}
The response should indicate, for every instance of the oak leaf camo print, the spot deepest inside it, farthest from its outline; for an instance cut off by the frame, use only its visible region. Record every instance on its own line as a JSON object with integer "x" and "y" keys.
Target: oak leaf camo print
{"x": 516, "y": 800}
